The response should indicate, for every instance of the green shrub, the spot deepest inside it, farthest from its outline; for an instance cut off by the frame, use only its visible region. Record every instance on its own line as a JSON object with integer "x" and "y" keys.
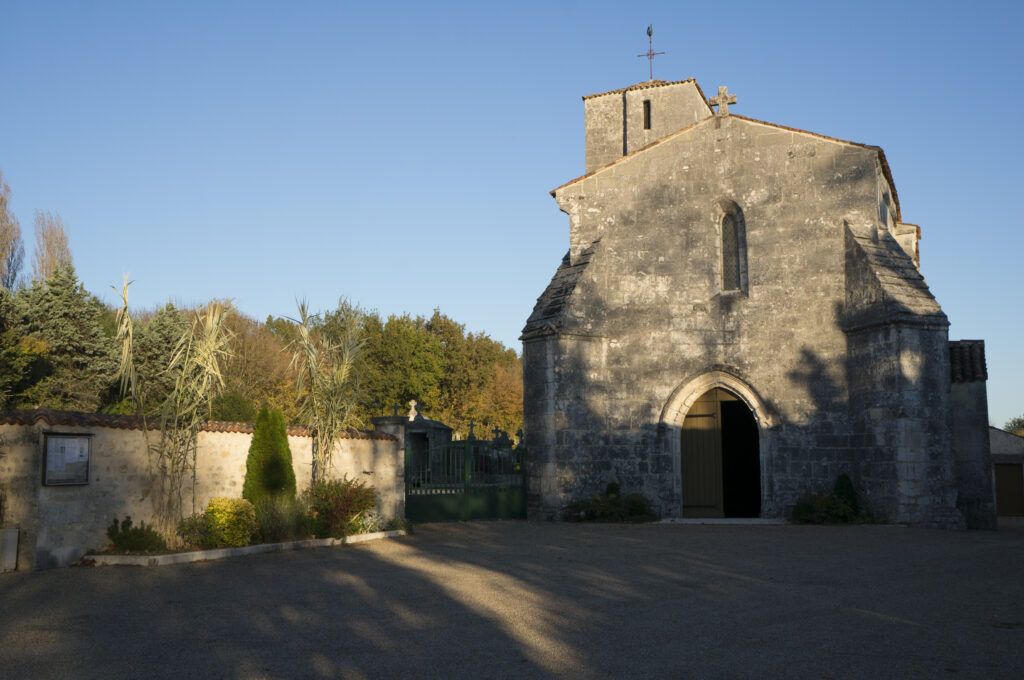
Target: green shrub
{"x": 822, "y": 509}
{"x": 844, "y": 491}
{"x": 637, "y": 505}
{"x": 612, "y": 507}
{"x": 234, "y": 519}
{"x": 128, "y": 538}
{"x": 199, "y": 531}
{"x": 232, "y": 406}
{"x": 336, "y": 504}
{"x": 268, "y": 467}
{"x": 839, "y": 507}
{"x": 281, "y": 519}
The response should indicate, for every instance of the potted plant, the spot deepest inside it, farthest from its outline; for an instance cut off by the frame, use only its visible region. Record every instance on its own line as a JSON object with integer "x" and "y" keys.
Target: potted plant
{"x": 8, "y": 539}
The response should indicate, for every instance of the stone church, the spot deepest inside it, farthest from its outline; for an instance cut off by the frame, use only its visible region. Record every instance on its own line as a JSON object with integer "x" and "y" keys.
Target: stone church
{"x": 740, "y": 318}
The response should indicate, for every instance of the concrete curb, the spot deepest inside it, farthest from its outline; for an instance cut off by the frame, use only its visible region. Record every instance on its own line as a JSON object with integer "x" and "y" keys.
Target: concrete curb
{"x": 225, "y": 553}
{"x": 745, "y": 521}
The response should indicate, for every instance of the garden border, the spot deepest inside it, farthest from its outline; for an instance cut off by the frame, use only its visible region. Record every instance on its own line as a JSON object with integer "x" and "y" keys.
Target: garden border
{"x": 224, "y": 553}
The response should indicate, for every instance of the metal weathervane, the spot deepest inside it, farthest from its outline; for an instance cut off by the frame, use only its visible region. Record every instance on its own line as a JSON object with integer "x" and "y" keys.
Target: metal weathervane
{"x": 650, "y": 54}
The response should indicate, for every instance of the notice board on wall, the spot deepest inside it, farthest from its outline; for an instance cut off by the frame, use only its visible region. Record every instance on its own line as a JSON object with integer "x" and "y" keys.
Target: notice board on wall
{"x": 66, "y": 459}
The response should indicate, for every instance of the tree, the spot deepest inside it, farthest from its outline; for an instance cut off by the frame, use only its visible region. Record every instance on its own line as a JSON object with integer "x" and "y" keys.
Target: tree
{"x": 78, "y": 365}
{"x": 403, "y": 361}
{"x": 283, "y": 329}
{"x": 481, "y": 381}
{"x": 232, "y": 406}
{"x": 21, "y": 356}
{"x": 258, "y": 371}
{"x": 12, "y": 250}
{"x": 52, "y": 251}
{"x": 1015, "y": 425}
{"x": 501, "y": 401}
{"x": 156, "y": 341}
{"x": 268, "y": 467}
{"x": 328, "y": 383}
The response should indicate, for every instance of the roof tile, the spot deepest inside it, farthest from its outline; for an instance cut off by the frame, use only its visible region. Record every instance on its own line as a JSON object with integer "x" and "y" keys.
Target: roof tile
{"x": 967, "y": 361}
{"x": 121, "y": 422}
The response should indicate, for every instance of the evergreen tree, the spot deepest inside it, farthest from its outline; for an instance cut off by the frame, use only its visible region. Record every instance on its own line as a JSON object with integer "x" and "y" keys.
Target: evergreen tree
{"x": 268, "y": 468}
{"x": 79, "y": 363}
{"x": 21, "y": 357}
{"x": 154, "y": 347}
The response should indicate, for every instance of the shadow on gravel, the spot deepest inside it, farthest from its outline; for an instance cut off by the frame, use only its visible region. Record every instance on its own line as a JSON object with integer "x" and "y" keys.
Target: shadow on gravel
{"x": 514, "y": 599}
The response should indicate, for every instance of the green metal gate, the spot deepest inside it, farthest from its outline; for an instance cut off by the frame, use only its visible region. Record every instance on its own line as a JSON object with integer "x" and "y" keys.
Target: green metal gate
{"x": 464, "y": 480}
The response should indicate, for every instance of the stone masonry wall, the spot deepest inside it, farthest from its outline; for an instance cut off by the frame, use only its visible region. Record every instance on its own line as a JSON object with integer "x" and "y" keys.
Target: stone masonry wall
{"x": 653, "y": 289}
{"x": 972, "y": 454}
{"x": 20, "y": 474}
{"x": 614, "y": 122}
{"x": 899, "y": 408}
{"x": 60, "y": 523}
{"x": 651, "y": 304}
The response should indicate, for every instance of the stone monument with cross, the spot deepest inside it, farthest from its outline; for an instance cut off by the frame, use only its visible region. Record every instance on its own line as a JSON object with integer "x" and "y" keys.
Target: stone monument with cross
{"x": 740, "y": 319}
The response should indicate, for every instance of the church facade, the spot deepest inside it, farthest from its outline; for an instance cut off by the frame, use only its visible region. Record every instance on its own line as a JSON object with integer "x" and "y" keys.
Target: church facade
{"x": 741, "y": 318}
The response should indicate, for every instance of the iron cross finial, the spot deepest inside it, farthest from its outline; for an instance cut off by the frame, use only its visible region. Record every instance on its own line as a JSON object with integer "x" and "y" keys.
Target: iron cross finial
{"x": 650, "y": 54}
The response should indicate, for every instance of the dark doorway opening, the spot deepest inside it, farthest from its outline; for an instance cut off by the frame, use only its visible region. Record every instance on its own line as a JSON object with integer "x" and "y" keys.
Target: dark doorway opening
{"x": 741, "y": 461}
{"x": 721, "y": 461}
{"x": 419, "y": 449}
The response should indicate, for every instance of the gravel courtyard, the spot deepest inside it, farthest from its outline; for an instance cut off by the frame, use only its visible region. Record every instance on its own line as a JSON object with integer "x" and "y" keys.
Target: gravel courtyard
{"x": 524, "y": 600}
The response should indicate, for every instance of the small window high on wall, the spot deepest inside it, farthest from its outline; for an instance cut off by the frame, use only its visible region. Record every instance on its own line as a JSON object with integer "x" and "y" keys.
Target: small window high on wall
{"x": 734, "y": 250}
{"x": 647, "y": 114}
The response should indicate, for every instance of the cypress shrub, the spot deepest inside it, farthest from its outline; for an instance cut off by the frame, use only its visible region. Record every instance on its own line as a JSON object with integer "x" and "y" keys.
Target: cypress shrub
{"x": 268, "y": 468}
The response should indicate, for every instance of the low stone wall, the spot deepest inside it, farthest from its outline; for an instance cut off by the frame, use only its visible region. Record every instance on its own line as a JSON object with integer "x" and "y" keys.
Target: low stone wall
{"x": 58, "y": 524}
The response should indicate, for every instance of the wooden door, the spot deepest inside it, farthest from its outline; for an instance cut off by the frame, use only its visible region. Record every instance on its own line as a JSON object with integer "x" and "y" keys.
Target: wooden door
{"x": 1009, "y": 490}
{"x": 702, "y": 458}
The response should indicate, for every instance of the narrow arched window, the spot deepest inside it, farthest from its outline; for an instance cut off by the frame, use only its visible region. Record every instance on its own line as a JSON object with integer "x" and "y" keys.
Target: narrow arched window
{"x": 730, "y": 253}
{"x": 734, "y": 250}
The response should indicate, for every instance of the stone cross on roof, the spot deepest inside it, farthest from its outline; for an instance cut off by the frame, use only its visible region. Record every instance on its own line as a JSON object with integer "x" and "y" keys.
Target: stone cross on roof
{"x": 722, "y": 101}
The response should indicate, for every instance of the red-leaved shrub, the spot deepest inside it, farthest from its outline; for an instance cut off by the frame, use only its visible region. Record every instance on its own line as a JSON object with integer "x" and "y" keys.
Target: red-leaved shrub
{"x": 335, "y": 505}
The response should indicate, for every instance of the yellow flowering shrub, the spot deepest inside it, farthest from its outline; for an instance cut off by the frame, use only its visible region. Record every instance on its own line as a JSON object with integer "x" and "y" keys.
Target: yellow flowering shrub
{"x": 234, "y": 518}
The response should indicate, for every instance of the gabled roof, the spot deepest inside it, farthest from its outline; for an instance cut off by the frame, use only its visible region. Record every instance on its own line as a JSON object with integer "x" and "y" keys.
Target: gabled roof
{"x": 881, "y": 154}
{"x": 648, "y": 84}
{"x": 547, "y": 313}
{"x": 901, "y": 291}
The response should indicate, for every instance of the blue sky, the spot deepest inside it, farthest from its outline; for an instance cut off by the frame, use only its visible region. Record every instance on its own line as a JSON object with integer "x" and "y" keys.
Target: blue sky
{"x": 401, "y": 154}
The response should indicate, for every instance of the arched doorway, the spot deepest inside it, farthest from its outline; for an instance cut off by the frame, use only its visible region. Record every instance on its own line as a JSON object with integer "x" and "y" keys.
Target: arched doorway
{"x": 721, "y": 461}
